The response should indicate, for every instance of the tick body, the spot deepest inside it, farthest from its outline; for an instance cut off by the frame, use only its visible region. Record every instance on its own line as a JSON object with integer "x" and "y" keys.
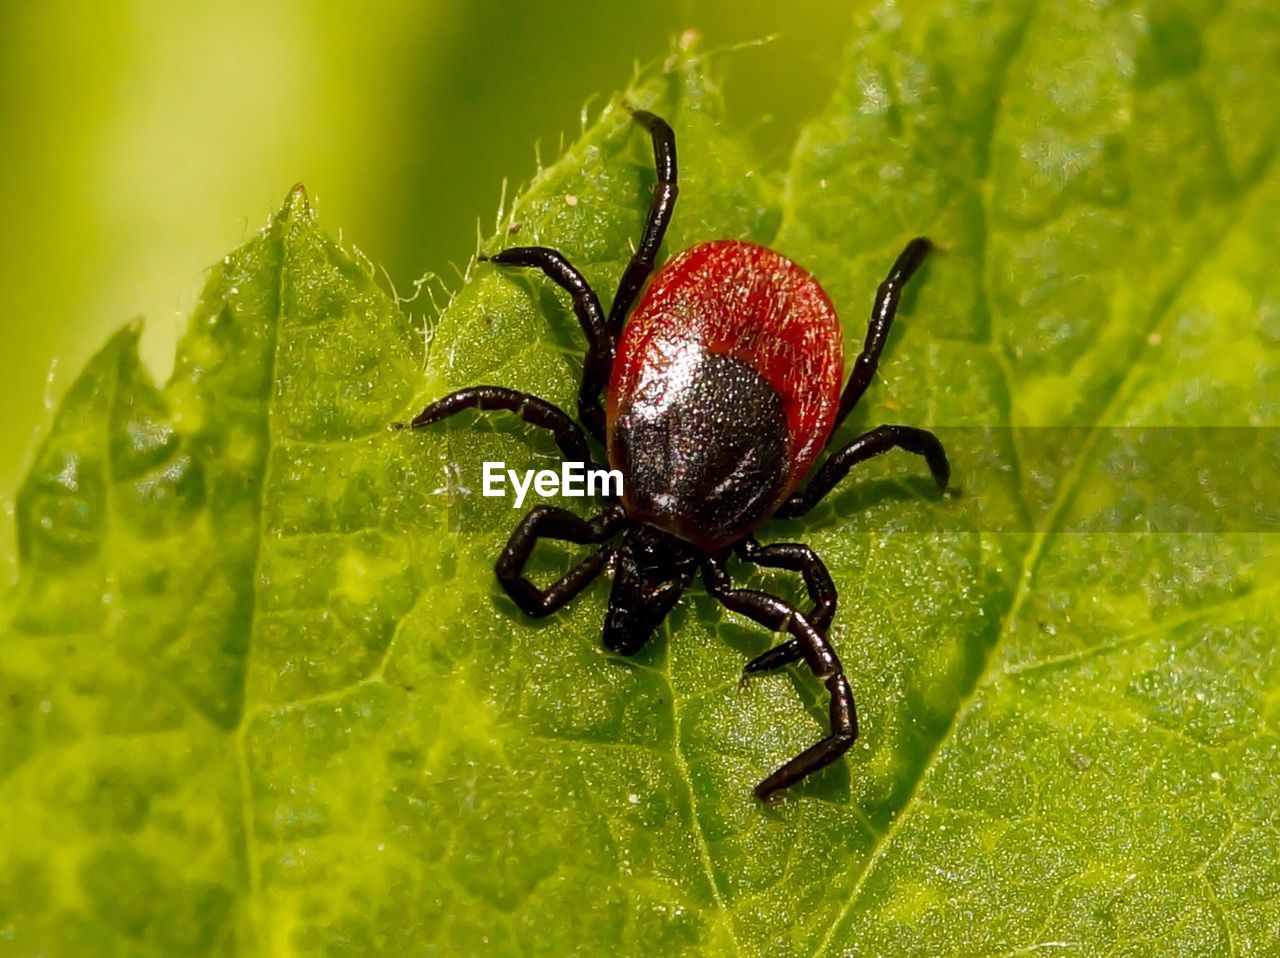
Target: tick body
{"x": 722, "y": 389}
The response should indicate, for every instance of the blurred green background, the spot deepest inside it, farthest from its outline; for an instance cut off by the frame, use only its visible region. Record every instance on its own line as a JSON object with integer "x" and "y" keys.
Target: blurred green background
{"x": 142, "y": 141}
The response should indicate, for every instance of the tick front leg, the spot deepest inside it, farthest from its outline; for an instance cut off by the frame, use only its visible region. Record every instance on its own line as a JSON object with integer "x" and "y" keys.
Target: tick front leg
{"x": 551, "y": 522}
{"x": 779, "y": 616}
{"x": 794, "y": 557}
{"x": 586, "y": 306}
{"x": 535, "y": 411}
{"x": 877, "y": 441}
{"x": 797, "y": 557}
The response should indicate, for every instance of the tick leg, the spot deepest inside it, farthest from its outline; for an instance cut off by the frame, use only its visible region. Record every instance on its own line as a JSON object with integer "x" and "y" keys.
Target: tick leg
{"x": 878, "y": 440}
{"x": 773, "y": 613}
{"x": 535, "y": 411}
{"x": 780, "y": 656}
{"x": 586, "y": 306}
{"x": 661, "y": 207}
{"x": 886, "y": 307}
{"x": 795, "y": 557}
{"x": 551, "y": 522}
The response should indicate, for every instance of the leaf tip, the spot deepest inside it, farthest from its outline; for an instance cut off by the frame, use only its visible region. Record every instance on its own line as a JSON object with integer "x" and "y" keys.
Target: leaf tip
{"x": 689, "y": 41}
{"x": 133, "y": 328}
{"x": 297, "y": 205}
{"x": 124, "y": 341}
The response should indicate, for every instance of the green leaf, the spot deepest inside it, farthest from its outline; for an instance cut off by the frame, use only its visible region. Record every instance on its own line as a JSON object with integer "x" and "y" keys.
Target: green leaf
{"x": 260, "y": 694}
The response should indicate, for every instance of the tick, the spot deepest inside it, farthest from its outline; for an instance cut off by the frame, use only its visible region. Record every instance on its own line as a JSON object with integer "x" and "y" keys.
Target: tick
{"x": 722, "y": 389}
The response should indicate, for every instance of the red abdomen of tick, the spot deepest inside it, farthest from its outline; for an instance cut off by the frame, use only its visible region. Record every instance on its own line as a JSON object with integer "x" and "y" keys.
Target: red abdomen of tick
{"x": 724, "y": 390}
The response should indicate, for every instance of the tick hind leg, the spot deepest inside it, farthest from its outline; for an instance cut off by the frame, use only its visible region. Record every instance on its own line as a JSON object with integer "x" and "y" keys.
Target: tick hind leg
{"x": 775, "y": 614}
{"x": 882, "y": 314}
{"x": 537, "y": 412}
{"x": 794, "y": 557}
{"x": 586, "y": 306}
{"x": 551, "y": 522}
{"x": 661, "y": 207}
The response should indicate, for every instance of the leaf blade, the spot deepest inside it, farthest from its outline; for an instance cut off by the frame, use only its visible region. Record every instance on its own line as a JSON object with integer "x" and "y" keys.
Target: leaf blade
{"x": 298, "y": 607}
